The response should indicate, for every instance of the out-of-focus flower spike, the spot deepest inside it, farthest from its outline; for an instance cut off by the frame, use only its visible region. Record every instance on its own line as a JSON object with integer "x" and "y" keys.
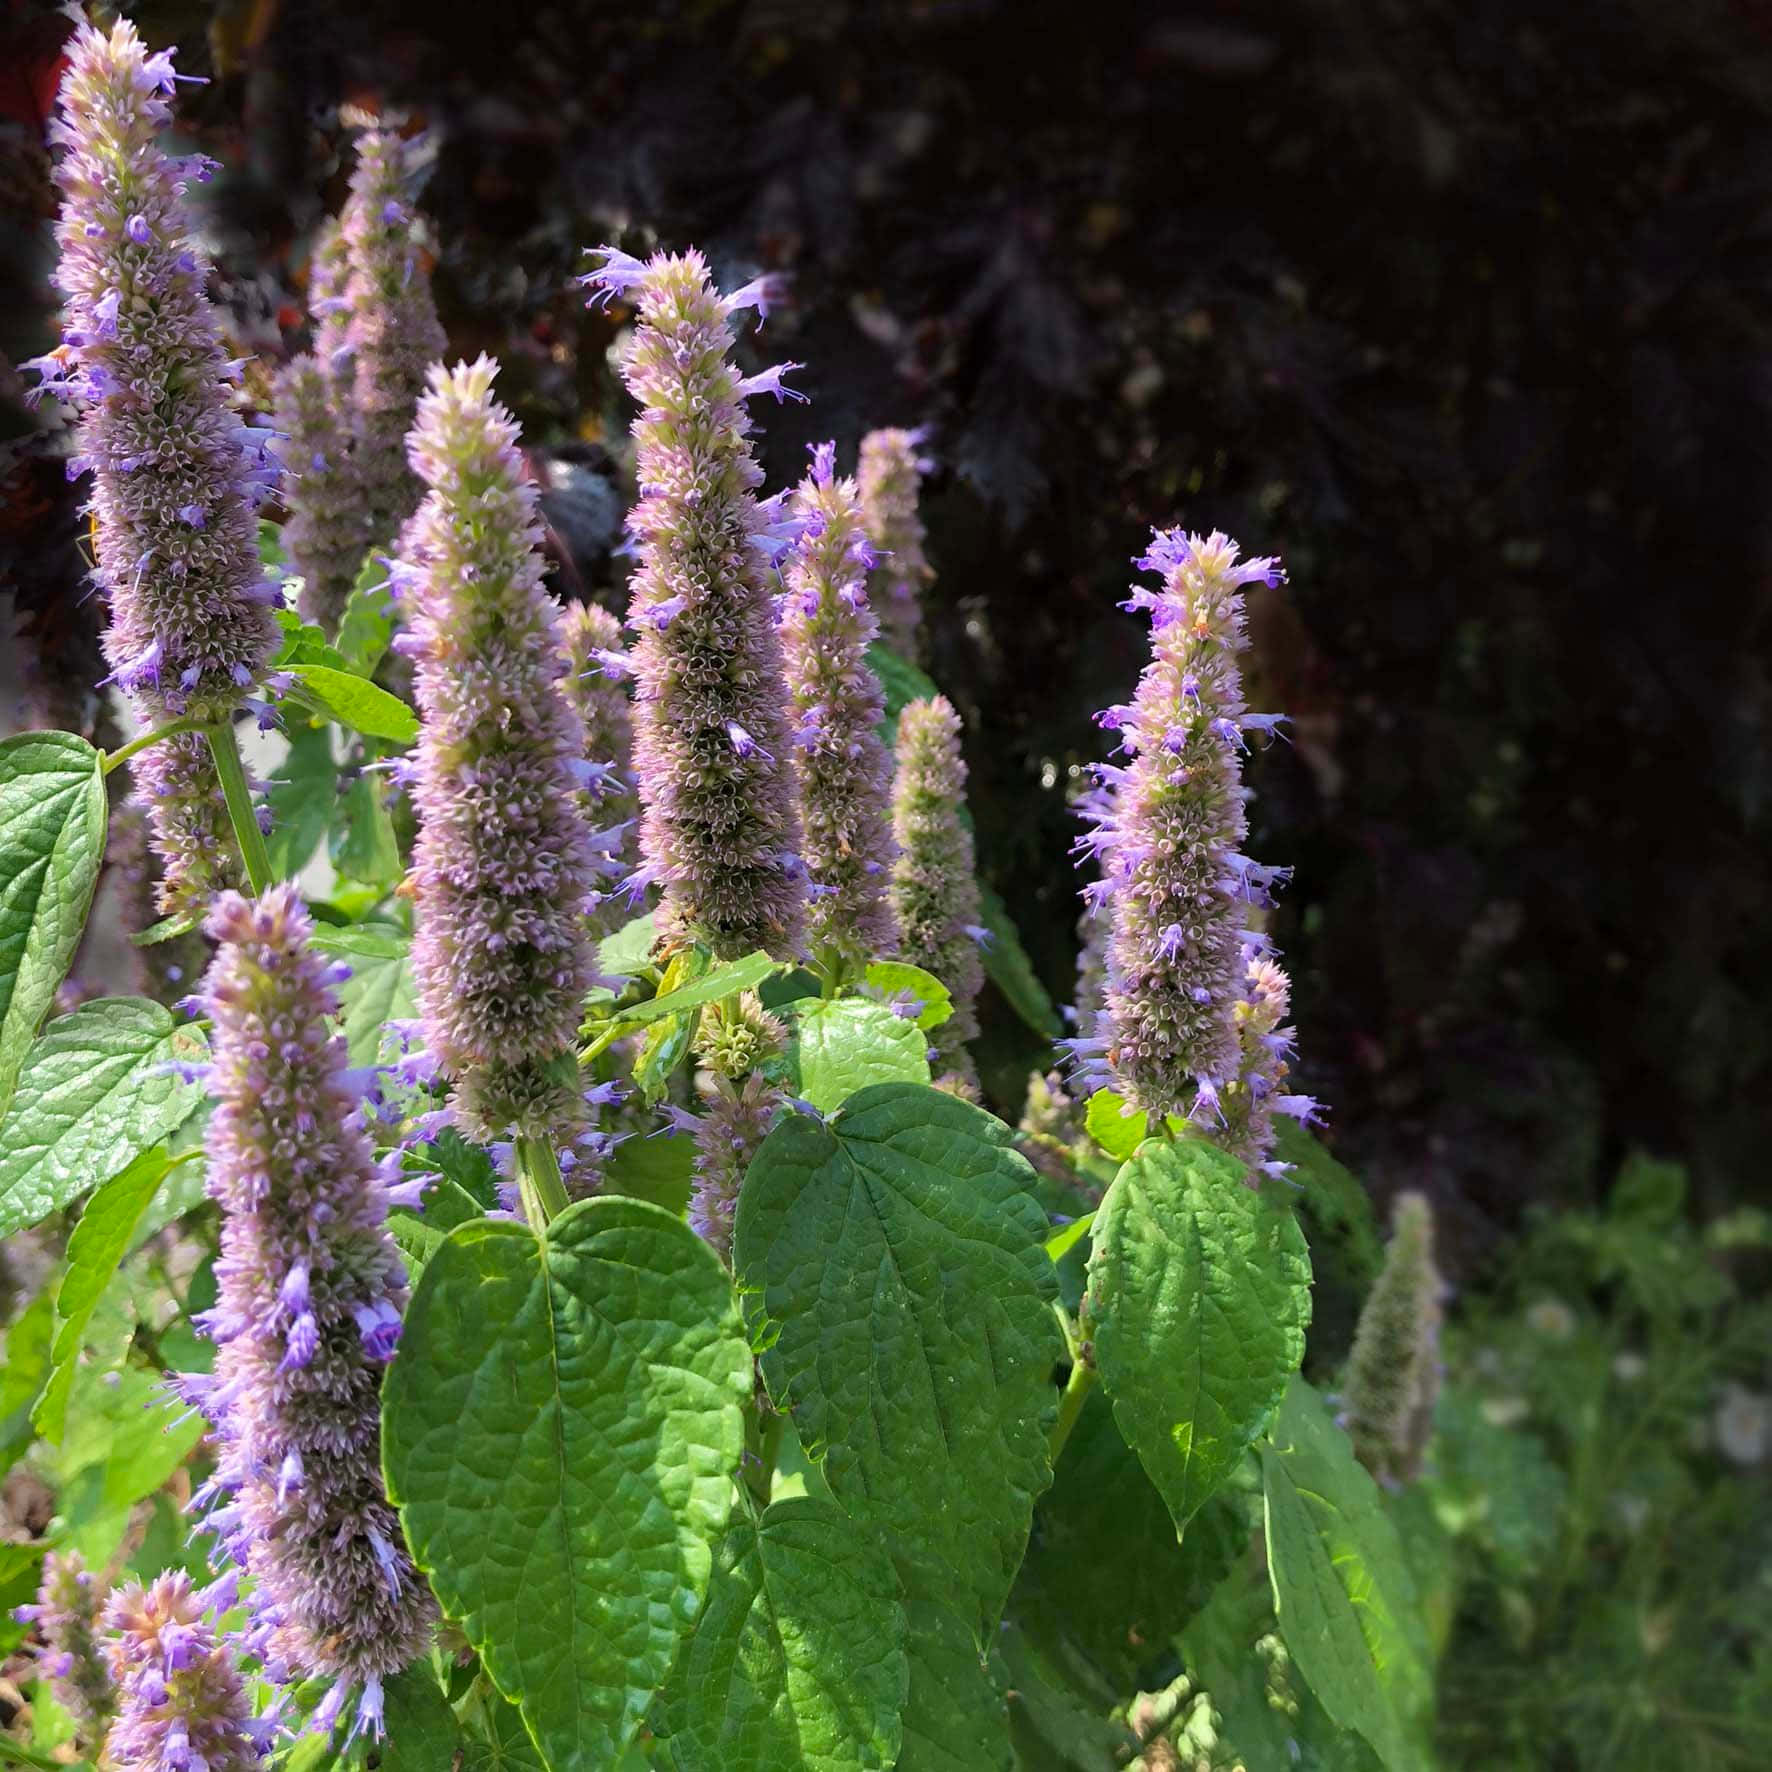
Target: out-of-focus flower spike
{"x": 324, "y": 535}
{"x": 69, "y": 1600}
{"x": 891, "y": 471}
{"x": 590, "y": 636}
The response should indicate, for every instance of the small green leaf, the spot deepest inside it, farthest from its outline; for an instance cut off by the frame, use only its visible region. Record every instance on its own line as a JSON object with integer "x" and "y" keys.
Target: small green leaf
{"x": 496, "y": 1739}
{"x": 302, "y": 793}
{"x": 422, "y": 1733}
{"x": 365, "y": 848}
{"x": 368, "y": 620}
{"x": 1199, "y": 1293}
{"x": 655, "y": 1167}
{"x": 93, "y": 1094}
{"x": 101, "y": 1239}
{"x": 893, "y": 1255}
{"x": 889, "y": 977}
{"x": 1116, "y": 1131}
{"x": 847, "y": 1043}
{"x": 1007, "y": 966}
{"x": 28, "y": 1343}
{"x": 628, "y": 952}
{"x": 304, "y": 644}
{"x": 1342, "y": 1588}
{"x": 270, "y": 543}
{"x": 798, "y": 1657}
{"x": 353, "y": 701}
{"x": 380, "y": 988}
{"x": 724, "y": 980}
{"x": 955, "y": 1719}
{"x": 52, "y": 839}
{"x": 560, "y": 1432}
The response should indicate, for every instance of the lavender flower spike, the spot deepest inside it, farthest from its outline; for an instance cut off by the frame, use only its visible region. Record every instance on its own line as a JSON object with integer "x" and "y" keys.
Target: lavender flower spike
{"x": 844, "y": 771}
{"x": 176, "y": 476}
{"x": 740, "y": 1106}
{"x": 311, "y": 1289}
{"x": 891, "y": 468}
{"x": 504, "y": 864}
{"x": 183, "y": 1706}
{"x": 1169, "y": 839}
{"x": 393, "y": 335}
{"x": 594, "y": 684}
{"x": 720, "y": 832}
{"x": 324, "y": 535}
{"x": 66, "y": 1616}
{"x": 934, "y": 882}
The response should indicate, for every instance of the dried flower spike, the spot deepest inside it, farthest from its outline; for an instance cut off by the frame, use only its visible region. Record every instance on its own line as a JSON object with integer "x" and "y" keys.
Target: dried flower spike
{"x": 69, "y": 1598}
{"x": 934, "y": 879}
{"x": 176, "y": 475}
{"x": 183, "y": 1708}
{"x": 504, "y": 865}
{"x": 844, "y": 771}
{"x": 393, "y": 336}
{"x": 311, "y": 1290}
{"x": 892, "y": 467}
{"x": 719, "y": 833}
{"x": 1393, "y": 1375}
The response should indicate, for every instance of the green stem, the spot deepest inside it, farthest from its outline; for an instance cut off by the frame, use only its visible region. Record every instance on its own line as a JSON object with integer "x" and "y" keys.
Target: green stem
{"x": 1071, "y": 1400}
{"x": 538, "y": 1182}
{"x": 117, "y": 758}
{"x": 225, "y": 748}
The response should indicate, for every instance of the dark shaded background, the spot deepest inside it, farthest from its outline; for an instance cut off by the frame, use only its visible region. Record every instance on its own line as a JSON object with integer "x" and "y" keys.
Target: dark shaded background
{"x": 1465, "y": 309}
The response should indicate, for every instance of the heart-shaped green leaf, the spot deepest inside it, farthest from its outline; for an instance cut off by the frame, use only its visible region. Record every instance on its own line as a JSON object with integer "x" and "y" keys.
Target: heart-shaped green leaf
{"x": 560, "y": 1432}
{"x": 847, "y": 1043}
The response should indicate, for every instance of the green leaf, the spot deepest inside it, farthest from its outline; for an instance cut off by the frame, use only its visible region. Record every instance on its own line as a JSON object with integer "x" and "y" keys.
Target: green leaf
{"x": 368, "y": 620}
{"x": 302, "y": 792}
{"x": 422, "y": 1733}
{"x": 380, "y": 988}
{"x": 28, "y": 1342}
{"x": 1342, "y": 1588}
{"x": 905, "y": 1304}
{"x": 889, "y": 977}
{"x": 92, "y": 1095}
{"x": 270, "y": 543}
{"x": 844, "y": 1044}
{"x": 365, "y": 848}
{"x": 496, "y": 1739}
{"x": 101, "y": 1239}
{"x": 1007, "y": 966}
{"x": 1116, "y": 1131}
{"x": 304, "y": 644}
{"x": 724, "y": 980}
{"x": 798, "y": 1657}
{"x": 560, "y": 1432}
{"x": 1106, "y": 1575}
{"x": 1333, "y": 1199}
{"x": 52, "y": 839}
{"x": 1199, "y": 1293}
{"x": 955, "y": 1719}
{"x": 655, "y": 1167}
{"x": 628, "y": 952}
{"x": 353, "y": 701}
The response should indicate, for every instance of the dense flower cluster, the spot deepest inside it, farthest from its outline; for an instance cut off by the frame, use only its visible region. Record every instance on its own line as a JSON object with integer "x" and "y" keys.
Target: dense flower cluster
{"x": 934, "y": 880}
{"x": 176, "y": 475}
{"x": 720, "y": 833}
{"x": 891, "y": 468}
{"x": 310, "y": 1294}
{"x": 393, "y": 335}
{"x": 66, "y": 1617}
{"x": 1393, "y": 1374}
{"x": 504, "y": 863}
{"x": 183, "y": 1708}
{"x": 1192, "y": 1005}
{"x": 739, "y": 1105}
{"x": 596, "y": 670}
{"x": 844, "y": 771}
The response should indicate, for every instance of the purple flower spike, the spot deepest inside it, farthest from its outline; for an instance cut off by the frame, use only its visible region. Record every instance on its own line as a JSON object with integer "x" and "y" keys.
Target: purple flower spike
{"x": 144, "y": 363}
{"x": 590, "y": 636}
{"x": 844, "y": 771}
{"x": 305, "y": 1258}
{"x": 504, "y": 863}
{"x": 325, "y": 535}
{"x": 393, "y": 335}
{"x": 934, "y": 880}
{"x": 717, "y": 819}
{"x": 891, "y": 471}
{"x": 183, "y": 1706}
{"x": 1192, "y": 1007}
{"x": 66, "y": 1615}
